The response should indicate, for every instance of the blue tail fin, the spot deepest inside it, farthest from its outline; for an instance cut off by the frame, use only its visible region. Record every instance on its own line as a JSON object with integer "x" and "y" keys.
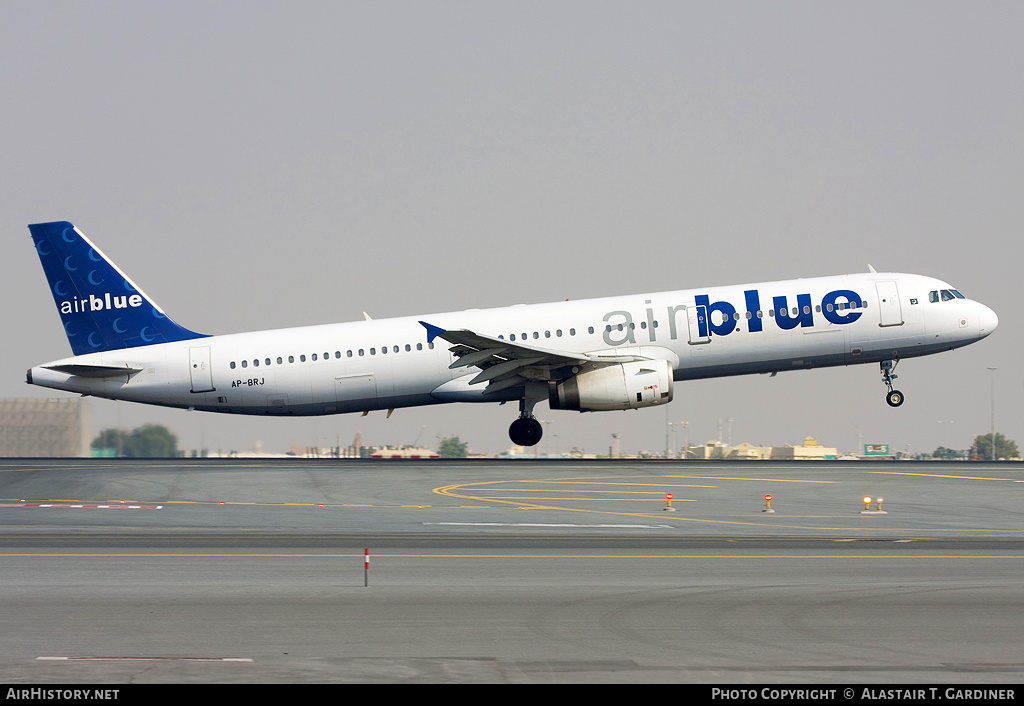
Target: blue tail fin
{"x": 100, "y": 306}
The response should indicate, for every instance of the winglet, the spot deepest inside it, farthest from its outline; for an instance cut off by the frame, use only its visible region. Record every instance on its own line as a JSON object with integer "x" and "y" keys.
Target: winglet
{"x": 432, "y": 331}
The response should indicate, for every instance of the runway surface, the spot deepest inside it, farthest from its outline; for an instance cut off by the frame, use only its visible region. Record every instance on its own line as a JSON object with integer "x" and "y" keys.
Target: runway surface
{"x": 506, "y": 572}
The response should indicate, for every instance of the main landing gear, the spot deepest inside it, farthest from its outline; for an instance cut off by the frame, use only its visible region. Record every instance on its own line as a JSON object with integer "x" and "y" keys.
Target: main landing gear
{"x": 893, "y": 397}
{"x": 527, "y": 431}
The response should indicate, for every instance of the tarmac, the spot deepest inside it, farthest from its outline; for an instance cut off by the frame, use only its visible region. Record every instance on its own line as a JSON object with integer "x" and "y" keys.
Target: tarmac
{"x": 321, "y": 571}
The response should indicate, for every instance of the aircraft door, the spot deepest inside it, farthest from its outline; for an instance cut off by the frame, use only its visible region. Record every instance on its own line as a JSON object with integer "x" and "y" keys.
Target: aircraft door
{"x": 890, "y": 311}
{"x": 200, "y": 370}
{"x": 697, "y": 321}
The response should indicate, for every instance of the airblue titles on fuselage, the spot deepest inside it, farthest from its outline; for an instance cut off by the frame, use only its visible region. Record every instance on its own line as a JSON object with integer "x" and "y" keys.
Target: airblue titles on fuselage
{"x": 841, "y": 306}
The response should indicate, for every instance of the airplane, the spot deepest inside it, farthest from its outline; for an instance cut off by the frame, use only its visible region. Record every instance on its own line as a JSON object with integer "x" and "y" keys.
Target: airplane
{"x": 614, "y": 353}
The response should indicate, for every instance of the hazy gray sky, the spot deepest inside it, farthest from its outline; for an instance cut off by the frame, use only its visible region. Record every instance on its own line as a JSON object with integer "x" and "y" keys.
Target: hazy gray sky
{"x": 269, "y": 164}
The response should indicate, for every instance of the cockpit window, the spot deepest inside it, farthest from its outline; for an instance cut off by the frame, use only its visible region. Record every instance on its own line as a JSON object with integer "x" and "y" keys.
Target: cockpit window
{"x": 945, "y": 295}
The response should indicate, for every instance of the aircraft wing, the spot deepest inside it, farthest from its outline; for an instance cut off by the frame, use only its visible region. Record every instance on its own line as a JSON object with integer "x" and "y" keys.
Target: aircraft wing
{"x": 506, "y": 364}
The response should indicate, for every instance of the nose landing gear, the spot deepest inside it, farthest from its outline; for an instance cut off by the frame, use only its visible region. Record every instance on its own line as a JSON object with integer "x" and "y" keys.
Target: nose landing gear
{"x": 893, "y": 397}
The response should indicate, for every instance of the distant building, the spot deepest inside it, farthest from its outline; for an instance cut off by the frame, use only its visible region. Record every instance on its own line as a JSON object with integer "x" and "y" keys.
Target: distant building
{"x": 56, "y": 427}
{"x": 810, "y": 450}
{"x": 403, "y": 452}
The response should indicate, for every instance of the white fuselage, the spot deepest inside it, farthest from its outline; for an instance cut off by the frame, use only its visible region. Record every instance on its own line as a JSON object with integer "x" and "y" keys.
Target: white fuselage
{"x": 388, "y": 363}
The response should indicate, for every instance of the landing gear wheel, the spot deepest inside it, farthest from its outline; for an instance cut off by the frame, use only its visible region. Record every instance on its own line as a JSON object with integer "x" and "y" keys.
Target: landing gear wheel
{"x": 525, "y": 432}
{"x": 893, "y": 397}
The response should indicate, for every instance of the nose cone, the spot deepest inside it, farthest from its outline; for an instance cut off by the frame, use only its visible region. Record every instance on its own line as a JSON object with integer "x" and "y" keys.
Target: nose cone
{"x": 987, "y": 320}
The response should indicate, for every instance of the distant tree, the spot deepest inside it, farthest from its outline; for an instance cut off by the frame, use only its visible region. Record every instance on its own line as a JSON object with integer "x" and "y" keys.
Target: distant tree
{"x": 148, "y": 441}
{"x": 944, "y": 454}
{"x": 115, "y": 439}
{"x": 982, "y": 447}
{"x": 452, "y": 447}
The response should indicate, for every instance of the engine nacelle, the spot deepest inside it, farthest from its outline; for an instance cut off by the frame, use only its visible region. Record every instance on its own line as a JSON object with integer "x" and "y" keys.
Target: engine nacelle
{"x": 642, "y": 383}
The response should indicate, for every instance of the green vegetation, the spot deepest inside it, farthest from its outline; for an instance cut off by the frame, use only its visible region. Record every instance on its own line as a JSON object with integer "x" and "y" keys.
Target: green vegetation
{"x": 1004, "y": 448}
{"x": 452, "y": 447}
{"x": 148, "y": 441}
{"x": 944, "y": 454}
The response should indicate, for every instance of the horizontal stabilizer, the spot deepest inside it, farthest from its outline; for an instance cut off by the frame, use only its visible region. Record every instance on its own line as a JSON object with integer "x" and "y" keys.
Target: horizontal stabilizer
{"x": 94, "y": 371}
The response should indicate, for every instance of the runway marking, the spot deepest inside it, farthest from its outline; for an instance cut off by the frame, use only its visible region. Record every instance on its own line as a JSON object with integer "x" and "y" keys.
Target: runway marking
{"x": 659, "y": 498}
{"x": 777, "y": 522}
{"x": 1010, "y": 555}
{"x": 762, "y": 480}
{"x": 143, "y": 659}
{"x": 938, "y": 475}
{"x": 547, "y": 525}
{"x": 631, "y": 484}
{"x": 83, "y": 506}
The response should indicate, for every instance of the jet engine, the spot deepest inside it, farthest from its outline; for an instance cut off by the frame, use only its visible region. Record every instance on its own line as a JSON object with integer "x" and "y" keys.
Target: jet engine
{"x": 642, "y": 383}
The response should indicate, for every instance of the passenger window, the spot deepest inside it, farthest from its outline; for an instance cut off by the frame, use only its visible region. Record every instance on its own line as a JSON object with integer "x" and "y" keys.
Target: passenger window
{"x": 232, "y": 365}
{"x": 302, "y": 358}
{"x": 279, "y": 360}
{"x": 256, "y": 362}
{"x": 314, "y": 356}
{"x": 245, "y": 364}
{"x": 267, "y": 361}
